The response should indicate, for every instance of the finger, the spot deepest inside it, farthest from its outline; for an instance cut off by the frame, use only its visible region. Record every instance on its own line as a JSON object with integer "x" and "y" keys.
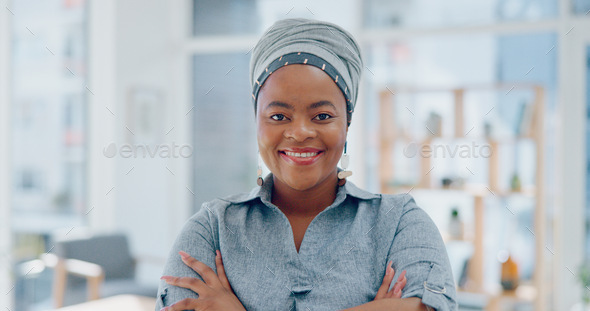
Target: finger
{"x": 401, "y": 277}
{"x": 193, "y": 284}
{"x": 202, "y": 269}
{"x": 389, "y": 274}
{"x": 403, "y": 283}
{"x": 185, "y": 304}
{"x": 221, "y": 272}
{"x": 396, "y": 290}
{"x": 399, "y": 285}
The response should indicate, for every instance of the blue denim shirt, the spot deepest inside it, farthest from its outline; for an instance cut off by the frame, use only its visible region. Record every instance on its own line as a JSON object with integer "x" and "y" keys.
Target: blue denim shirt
{"x": 341, "y": 261}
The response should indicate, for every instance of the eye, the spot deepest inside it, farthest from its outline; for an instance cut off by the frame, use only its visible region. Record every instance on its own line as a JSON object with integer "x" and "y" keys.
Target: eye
{"x": 278, "y": 117}
{"x": 323, "y": 116}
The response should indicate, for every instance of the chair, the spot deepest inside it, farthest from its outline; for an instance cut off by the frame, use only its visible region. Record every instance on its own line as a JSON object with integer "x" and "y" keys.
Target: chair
{"x": 101, "y": 263}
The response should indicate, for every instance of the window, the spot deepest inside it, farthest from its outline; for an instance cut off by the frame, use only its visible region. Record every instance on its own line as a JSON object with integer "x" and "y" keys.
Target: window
{"x": 433, "y": 14}
{"x": 48, "y": 133}
{"x": 223, "y": 119}
{"x": 225, "y": 17}
{"x": 581, "y": 7}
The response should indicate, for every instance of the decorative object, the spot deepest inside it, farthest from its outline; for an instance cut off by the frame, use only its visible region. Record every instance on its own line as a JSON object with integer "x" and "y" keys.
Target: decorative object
{"x": 509, "y": 278}
{"x": 434, "y": 124}
{"x": 259, "y": 180}
{"x": 344, "y": 161}
{"x": 515, "y": 184}
{"x": 455, "y": 225}
{"x": 145, "y": 116}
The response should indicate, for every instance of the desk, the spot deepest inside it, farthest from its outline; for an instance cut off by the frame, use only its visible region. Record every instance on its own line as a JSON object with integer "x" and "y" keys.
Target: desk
{"x": 116, "y": 303}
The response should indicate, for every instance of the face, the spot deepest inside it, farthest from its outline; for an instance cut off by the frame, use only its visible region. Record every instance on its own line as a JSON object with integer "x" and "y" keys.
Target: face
{"x": 301, "y": 124}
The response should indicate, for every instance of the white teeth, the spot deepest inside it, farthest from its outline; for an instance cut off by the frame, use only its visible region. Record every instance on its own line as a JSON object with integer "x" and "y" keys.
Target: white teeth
{"x": 301, "y": 155}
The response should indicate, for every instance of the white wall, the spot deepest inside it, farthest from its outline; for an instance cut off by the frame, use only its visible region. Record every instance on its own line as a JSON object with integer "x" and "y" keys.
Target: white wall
{"x": 136, "y": 45}
{"x": 5, "y": 260}
{"x": 571, "y": 203}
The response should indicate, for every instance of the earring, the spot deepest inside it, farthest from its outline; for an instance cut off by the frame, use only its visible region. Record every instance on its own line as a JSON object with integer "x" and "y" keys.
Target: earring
{"x": 344, "y": 164}
{"x": 259, "y": 180}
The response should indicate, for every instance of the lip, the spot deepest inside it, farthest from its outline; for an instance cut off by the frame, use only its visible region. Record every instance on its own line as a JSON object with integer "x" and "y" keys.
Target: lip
{"x": 301, "y": 161}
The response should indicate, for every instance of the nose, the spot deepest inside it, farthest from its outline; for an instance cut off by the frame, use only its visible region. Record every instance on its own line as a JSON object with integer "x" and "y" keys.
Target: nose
{"x": 300, "y": 130}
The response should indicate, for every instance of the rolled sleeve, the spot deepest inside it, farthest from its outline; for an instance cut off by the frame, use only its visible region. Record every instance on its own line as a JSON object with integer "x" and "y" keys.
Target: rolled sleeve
{"x": 197, "y": 240}
{"x": 419, "y": 249}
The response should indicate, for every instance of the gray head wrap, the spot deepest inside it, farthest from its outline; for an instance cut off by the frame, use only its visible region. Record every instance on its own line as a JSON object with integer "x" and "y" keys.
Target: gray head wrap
{"x": 332, "y": 46}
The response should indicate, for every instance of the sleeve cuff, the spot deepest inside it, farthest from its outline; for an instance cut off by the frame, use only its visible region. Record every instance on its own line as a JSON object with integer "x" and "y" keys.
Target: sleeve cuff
{"x": 435, "y": 293}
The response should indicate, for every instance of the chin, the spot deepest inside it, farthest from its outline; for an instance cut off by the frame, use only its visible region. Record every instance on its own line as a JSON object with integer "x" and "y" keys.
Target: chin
{"x": 300, "y": 184}
{"x": 302, "y": 181}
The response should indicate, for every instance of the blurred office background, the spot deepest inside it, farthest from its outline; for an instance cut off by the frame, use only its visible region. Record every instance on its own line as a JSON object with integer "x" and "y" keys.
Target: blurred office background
{"x": 125, "y": 116}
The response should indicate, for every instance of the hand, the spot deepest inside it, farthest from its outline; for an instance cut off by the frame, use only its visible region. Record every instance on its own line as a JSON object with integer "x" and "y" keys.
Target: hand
{"x": 396, "y": 291}
{"x": 215, "y": 293}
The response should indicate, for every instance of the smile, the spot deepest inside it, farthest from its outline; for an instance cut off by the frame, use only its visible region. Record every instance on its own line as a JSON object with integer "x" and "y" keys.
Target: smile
{"x": 301, "y": 158}
{"x": 301, "y": 155}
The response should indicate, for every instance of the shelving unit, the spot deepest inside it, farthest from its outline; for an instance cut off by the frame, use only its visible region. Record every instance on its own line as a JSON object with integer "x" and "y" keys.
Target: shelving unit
{"x": 391, "y": 133}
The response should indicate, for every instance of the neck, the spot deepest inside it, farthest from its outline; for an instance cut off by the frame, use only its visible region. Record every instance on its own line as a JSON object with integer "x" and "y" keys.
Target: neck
{"x": 305, "y": 203}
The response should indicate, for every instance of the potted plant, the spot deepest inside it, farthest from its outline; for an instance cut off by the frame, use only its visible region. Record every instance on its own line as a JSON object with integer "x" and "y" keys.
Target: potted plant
{"x": 584, "y": 277}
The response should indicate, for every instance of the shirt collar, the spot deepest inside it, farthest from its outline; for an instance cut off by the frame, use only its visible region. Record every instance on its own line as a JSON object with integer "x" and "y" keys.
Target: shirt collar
{"x": 264, "y": 193}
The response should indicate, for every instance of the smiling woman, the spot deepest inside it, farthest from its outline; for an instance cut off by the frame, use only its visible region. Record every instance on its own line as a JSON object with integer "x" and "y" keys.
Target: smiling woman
{"x": 306, "y": 239}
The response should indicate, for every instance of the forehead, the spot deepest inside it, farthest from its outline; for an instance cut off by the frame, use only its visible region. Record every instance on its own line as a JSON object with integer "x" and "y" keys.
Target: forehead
{"x": 299, "y": 83}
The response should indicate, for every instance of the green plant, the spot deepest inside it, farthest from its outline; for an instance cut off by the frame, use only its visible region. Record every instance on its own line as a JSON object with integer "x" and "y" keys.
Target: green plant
{"x": 584, "y": 277}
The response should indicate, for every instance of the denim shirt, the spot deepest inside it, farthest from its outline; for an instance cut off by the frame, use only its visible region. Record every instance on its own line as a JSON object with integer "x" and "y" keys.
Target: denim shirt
{"x": 341, "y": 261}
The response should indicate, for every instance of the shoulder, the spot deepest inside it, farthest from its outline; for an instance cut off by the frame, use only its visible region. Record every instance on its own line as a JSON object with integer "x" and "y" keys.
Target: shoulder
{"x": 396, "y": 205}
{"x": 403, "y": 204}
{"x": 218, "y": 207}
{"x": 400, "y": 211}
{"x": 392, "y": 205}
{"x": 383, "y": 200}
{"x": 409, "y": 212}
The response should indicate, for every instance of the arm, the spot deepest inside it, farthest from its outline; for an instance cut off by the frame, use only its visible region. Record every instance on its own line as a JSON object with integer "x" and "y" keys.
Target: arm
{"x": 412, "y": 303}
{"x": 419, "y": 249}
{"x": 197, "y": 240}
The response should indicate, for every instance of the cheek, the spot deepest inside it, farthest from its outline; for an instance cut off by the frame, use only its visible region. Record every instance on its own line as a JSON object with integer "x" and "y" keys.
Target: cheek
{"x": 267, "y": 141}
{"x": 339, "y": 135}
{"x": 336, "y": 141}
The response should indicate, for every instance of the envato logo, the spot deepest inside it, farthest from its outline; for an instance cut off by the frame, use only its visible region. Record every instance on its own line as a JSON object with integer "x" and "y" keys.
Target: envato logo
{"x": 473, "y": 150}
{"x": 142, "y": 150}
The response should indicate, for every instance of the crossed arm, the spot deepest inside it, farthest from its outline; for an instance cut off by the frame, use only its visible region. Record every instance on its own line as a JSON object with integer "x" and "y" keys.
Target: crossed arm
{"x": 417, "y": 248}
{"x": 215, "y": 292}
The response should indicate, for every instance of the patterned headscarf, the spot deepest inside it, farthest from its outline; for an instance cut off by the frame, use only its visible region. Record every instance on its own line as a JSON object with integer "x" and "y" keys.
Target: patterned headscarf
{"x": 304, "y": 41}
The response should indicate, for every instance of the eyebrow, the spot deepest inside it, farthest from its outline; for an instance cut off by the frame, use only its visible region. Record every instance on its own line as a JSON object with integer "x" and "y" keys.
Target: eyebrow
{"x": 279, "y": 104}
{"x": 315, "y": 105}
{"x": 321, "y": 103}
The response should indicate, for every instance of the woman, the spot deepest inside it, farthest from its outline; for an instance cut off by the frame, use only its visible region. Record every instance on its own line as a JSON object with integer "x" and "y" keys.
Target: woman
{"x": 306, "y": 239}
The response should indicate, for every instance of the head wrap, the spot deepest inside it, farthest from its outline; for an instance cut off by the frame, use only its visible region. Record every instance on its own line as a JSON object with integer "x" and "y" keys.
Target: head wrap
{"x": 317, "y": 43}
